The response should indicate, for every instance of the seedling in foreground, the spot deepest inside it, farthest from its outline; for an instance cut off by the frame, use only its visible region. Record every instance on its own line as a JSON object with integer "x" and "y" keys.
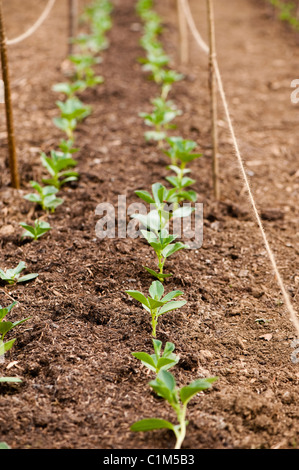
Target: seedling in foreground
{"x": 157, "y": 305}
{"x": 156, "y": 362}
{"x": 165, "y": 386}
{"x": 56, "y": 166}
{"x": 12, "y": 276}
{"x": 45, "y": 197}
{"x": 36, "y": 231}
{"x": 6, "y": 326}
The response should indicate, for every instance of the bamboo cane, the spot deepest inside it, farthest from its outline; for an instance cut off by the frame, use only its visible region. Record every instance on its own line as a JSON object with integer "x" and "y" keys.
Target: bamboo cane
{"x": 13, "y": 164}
{"x": 213, "y": 100}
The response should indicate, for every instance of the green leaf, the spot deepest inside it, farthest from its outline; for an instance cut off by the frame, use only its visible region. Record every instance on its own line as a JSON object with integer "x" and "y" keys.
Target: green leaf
{"x": 186, "y": 393}
{"x": 3, "y": 445}
{"x": 172, "y": 295}
{"x": 146, "y": 359}
{"x": 28, "y": 277}
{"x": 151, "y": 424}
{"x": 171, "y": 306}
{"x": 165, "y": 363}
{"x": 156, "y": 290}
{"x": 157, "y": 275}
{"x": 8, "y": 379}
{"x": 138, "y": 296}
{"x": 171, "y": 249}
{"x": 145, "y": 196}
{"x": 184, "y": 211}
{"x": 157, "y": 346}
{"x": 6, "y": 346}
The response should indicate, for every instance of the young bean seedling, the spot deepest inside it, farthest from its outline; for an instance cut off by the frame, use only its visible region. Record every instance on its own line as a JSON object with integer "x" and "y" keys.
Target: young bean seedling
{"x": 160, "y": 118}
{"x": 83, "y": 64}
{"x": 72, "y": 111}
{"x": 181, "y": 150}
{"x": 180, "y": 182}
{"x": 57, "y": 166}
{"x": 156, "y": 221}
{"x": 12, "y": 276}
{"x": 156, "y": 362}
{"x": 6, "y": 326}
{"x": 178, "y": 398}
{"x": 156, "y": 304}
{"x": 45, "y": 197}
{"x": 36, "y": 231}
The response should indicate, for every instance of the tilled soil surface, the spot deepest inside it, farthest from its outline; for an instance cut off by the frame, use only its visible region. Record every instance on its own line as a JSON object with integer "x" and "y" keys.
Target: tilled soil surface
{"x": 81, "y": 387}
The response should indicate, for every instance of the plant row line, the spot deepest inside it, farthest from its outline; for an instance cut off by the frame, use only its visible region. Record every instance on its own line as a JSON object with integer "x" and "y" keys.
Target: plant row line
{"x": 60, "y": 163}
{"x": 156, "y": 224}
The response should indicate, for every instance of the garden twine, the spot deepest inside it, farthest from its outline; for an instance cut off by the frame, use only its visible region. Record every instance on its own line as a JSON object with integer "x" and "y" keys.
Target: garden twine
{"x": 205, "y": 48}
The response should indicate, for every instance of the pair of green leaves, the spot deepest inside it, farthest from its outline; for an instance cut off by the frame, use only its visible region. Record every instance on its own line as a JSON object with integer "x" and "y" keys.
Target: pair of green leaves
{"x": 45, "y": 196}
{"x": 57, "y": 165}
{"x": 182, "y": 150}
{"x": 163, "y": 113}
{"x": 156, "y": 362}
{"x": 155, "y": 303}
{"x": 12, "y": 276}
{"x": 36, "y": 231}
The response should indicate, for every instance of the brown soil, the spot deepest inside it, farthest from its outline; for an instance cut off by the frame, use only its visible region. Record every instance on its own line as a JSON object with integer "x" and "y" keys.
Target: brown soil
{"x": 81, "y": 386}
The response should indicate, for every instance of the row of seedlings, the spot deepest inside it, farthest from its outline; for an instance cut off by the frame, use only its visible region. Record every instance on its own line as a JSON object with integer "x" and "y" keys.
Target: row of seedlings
{"x": 156, "y": 223}
{"x": 60, "y": 163}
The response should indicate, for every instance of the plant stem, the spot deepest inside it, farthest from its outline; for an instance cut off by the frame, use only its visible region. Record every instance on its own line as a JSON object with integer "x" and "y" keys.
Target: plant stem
{"x": 182, "y": 420}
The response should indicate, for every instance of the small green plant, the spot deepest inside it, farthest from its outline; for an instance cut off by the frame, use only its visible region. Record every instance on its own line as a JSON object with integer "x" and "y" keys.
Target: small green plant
{"x": 287, "y": 12}
{"x": 160, "y": 118}
{"x": 178, "y": 398}
{"x": 83, "y": 64}
{"x": 156, "y": 304}
{"x": 6, "y": 326}
{"x": 168, "y": 77}
{"x": 181, "y": 150}
{"x": 156, "y": 222}
{"x": 8, "y": 380}
{"x": 66, "y": 146}
{"x": 45, "y": 197}
{"x": 156, "y": 362}
{"x": 57, "y": 166}
{"x": 180, "y": 182}
{"x": 72, "y": 111}
{"x": 36, "y": 231}
{"x": 70, "y": 89}
{"x": 12, "y": 276}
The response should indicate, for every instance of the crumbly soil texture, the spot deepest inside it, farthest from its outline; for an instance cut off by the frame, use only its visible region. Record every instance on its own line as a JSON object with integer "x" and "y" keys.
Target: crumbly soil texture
{"x": 81, "y": 387}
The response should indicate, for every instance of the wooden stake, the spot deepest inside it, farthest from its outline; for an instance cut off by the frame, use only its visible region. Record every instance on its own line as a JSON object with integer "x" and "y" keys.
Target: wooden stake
{"x": 73, "y": 16}
{"x": 15, "y": 180}
{"x": 213, "y": 100}
{"x": 183, "y": 29}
